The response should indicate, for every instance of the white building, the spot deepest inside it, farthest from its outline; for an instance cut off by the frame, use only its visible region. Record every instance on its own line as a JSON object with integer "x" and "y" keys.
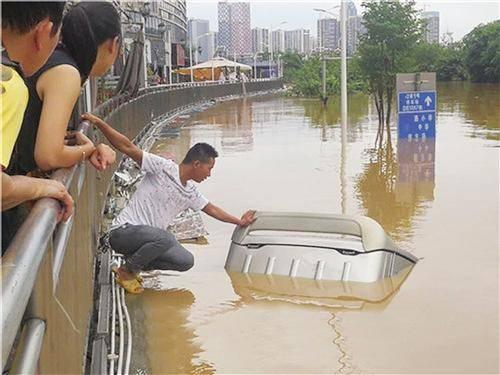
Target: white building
{"x": 432, "y": 26}
{"x": 200, "y": 37}
{"x": 278, "y": 41}
{"x": 260, "y": 40}
{"x": 298, "y": 41}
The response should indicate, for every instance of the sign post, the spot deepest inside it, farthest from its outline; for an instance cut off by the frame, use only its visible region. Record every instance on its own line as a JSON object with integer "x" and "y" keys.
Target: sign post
{"x": 416, "y": 155}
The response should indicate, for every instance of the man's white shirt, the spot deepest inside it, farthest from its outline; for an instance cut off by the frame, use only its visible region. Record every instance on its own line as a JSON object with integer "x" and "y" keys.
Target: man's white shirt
{"x": 160, "y": 196}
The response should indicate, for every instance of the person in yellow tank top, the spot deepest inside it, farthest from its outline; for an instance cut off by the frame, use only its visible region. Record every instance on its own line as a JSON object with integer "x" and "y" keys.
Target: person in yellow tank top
{"x": 14, "y": 98}
{"x": 30, "y": 32}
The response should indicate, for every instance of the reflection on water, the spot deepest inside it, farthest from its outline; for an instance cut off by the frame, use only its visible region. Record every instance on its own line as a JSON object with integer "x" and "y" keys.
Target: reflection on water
{"x": 478, "y": 104}
{"x": 164, "y": 341}
{"x": 281, "y": 154}
{"x": 331, "y": 294}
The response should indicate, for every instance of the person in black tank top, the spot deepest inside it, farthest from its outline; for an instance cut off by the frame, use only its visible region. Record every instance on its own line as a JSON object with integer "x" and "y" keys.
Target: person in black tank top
{"x": 23, "y": 160}
{"x": 91, "y": 33}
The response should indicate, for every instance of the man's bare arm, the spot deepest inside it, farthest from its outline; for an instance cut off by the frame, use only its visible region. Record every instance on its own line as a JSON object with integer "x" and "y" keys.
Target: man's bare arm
{"x": 19, "y": 189}
{"x": 219, "y": 214}
{"x": 117, "y": 139}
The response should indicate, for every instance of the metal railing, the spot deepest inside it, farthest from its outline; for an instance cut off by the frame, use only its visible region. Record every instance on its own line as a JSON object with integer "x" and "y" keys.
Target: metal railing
{"x": 23, "y": 258}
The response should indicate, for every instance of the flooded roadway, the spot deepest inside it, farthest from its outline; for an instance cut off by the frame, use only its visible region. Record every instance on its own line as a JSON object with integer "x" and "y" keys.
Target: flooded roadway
{"x": 439, "y": 201}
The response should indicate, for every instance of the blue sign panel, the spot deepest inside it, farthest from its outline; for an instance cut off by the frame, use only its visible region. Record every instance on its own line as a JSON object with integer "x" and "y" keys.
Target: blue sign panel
{"x": 417, "y": 125}
{"x": 417, "y": 101}
{"x": 417, "y": 115}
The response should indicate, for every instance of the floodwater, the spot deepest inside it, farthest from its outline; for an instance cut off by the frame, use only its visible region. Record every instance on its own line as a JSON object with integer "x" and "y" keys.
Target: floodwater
{"x": 438, "y": 199}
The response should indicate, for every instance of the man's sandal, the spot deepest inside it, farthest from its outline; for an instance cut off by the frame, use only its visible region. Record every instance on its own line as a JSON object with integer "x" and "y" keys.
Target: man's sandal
{"x": 137, "y": 276}
{"x": 131, "y": 286}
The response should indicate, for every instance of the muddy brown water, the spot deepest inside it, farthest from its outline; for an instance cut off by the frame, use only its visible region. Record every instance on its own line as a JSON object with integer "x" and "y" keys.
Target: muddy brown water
{"x": 439, "y": 201}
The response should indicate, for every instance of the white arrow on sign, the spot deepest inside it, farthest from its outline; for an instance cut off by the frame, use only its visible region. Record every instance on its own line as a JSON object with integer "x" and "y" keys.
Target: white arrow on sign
{"x": 428, "y": 101}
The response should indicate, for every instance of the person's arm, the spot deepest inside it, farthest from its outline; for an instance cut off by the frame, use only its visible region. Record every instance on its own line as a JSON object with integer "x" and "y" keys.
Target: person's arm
{"x": 117, "y": 139}
{"x": 19, "y": 189}
{"x": 58, "y": 89}
{"x": 219, "y": 214}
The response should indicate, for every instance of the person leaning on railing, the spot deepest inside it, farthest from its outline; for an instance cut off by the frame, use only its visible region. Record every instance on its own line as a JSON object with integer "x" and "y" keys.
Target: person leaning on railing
{"x": 90, "y": 43}
{"x": 30, "y": 32}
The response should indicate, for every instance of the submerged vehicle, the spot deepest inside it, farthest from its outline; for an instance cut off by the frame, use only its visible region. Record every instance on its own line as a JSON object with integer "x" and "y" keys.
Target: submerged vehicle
{"x": 316, "y": 246}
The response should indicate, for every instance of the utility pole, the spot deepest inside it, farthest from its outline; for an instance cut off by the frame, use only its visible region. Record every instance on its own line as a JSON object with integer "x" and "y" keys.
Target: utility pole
{"x": 191, "y": 59}
{"x": 343, "y": 63}
{"x": 324, "y": 98}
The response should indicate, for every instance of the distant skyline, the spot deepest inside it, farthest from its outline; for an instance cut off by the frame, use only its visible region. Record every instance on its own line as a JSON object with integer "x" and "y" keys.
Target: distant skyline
{"x": 458, "y": 17}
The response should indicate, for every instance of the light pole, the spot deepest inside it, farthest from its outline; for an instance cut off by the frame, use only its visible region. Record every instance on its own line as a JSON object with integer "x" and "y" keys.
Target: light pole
{"x": 196, "y": 52}
{"x": 145, "y": 10}
{"x": 343, "y": 58}
{"x": 255, "y": 65}
{"x": 343, "y": 61}
{"x": 271, "y": 44}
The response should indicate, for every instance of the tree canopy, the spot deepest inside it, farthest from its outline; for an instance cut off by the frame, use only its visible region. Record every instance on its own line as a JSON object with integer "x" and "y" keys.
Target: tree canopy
{"x": 482, "y": 52}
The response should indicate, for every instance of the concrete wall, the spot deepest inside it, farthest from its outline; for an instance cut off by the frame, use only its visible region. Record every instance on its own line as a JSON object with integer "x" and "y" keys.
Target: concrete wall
{"x": 78, "y": 300}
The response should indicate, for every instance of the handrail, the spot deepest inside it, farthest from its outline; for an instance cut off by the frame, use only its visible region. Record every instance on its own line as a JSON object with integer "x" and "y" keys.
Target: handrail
{"x": 27, "y": 360}
{"x": 22, "y": 260}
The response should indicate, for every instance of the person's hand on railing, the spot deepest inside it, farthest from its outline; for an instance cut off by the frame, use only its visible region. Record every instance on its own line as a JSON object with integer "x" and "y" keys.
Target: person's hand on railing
{"x": 54, "y": 189}
{"x": 102, "y": 157}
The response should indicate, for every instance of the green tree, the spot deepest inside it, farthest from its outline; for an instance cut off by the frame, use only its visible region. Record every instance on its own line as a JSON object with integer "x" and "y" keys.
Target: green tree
{"x": 446, "y": 60}
{"x": 393, "y": 29}
{"x": 482, "y": 52}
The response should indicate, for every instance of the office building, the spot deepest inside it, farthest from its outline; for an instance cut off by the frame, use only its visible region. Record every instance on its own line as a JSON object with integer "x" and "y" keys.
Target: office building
{"x": 278, "y": 41}
{"x": 200, "y": 37}
{"x": 432, "y": 26}
{"x": 328, "y": 34}
{"x": 260, "y": 40}
{"x": 298, "y": 41}
{"x": 235, "y": 35}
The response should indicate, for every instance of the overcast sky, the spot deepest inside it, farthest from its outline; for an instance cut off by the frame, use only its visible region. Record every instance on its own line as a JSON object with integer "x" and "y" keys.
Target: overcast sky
{"x": 458, "y": 17}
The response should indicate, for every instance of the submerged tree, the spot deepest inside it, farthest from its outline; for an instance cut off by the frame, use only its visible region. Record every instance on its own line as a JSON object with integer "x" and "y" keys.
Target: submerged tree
{"x": 393, "y": 28}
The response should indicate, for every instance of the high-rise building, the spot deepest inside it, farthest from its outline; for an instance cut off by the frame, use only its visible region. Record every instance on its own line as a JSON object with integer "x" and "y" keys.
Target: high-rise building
{"x": 353, "y": 33}
{"x": 352, "y": 26}
{"x": 215, "y": 36}
{"x": 432, "y": 26}
{"x": 200, "y": 38}
{"x": 278, "y": 41}
{"x": 235, "y": 35}
{"x": 260, "y": 40}
{"x": 328, "y": 34}
{"x": 297, "y": 41}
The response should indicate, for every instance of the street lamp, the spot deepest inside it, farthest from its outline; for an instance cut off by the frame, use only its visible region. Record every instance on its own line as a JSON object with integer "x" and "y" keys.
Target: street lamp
{"x": 271, "y": 44}
{"x": 343, "y": 58}
{"x": 145, "y": 10}
{"x": 255, "y": 65}
{"x": 196, "y": 53}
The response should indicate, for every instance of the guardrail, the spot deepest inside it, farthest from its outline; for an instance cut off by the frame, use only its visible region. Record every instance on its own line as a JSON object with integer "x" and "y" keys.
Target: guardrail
{"x": 36, "y": 286}
{"x": 21, "y": 263}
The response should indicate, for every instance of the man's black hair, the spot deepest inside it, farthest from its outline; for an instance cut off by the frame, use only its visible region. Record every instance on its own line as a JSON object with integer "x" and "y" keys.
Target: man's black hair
{"x": 200, "y": 151}
{"x": 22, "y": 16}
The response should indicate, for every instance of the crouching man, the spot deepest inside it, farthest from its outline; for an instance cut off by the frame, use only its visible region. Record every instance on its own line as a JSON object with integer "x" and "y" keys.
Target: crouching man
{"x": 139, "y": 232}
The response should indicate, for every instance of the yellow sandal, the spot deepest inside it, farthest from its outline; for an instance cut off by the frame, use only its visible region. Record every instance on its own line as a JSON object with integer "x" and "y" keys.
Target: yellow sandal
{"x": 132, "y": 286}
{"x": 137, "y": 276}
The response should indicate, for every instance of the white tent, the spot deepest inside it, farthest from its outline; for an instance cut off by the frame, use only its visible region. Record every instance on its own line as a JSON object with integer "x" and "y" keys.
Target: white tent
{"x": 220, "y": 62}
{"x": 213, "y": 67}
